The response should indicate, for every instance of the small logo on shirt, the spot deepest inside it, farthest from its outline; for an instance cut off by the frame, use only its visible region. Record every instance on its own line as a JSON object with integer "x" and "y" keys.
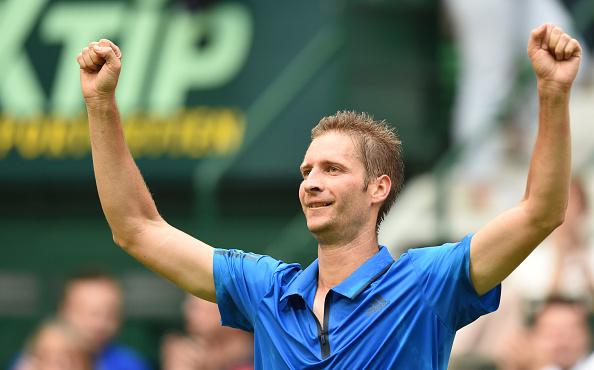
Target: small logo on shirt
{"x": 377, "y": 303}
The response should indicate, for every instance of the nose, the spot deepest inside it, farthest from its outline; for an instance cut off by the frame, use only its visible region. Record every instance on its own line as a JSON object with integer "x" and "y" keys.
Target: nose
{"x": 313, "y": 182}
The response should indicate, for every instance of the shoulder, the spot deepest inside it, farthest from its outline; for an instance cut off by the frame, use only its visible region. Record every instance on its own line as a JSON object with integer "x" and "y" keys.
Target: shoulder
{"x": 587, "y": 363}
{"x": 446, "y": 262}
{"x": 118, "y": 356}
{"x": 244, "y": 280}
{"x": 256, "y": 264}
{"x": 459, "y": 250}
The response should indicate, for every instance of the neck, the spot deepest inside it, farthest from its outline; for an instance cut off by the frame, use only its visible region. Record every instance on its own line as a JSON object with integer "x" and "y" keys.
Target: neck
{"x": 338, "y": 261}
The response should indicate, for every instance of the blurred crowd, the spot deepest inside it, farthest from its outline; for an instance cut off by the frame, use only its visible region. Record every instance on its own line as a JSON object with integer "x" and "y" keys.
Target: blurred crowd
{"x": 544, "y": 319}
{"x": 206, "y": 345}
{"x": 545, "y": 316}
{"x": 82, "y": 335}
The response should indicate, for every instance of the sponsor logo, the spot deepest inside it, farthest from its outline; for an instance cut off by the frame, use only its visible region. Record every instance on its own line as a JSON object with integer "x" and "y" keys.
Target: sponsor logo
{"x": 169, "y": 54}
{"x": 377, "y": 303}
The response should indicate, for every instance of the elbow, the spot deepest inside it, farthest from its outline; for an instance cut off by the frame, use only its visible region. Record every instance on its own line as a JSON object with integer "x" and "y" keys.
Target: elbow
{"x": 558, "y": 221}
{"x": 125, "y": 238}
{"x": 550, "y": 222}
{"x": 557, "y": 218}
{"x": 543, "y": 217}
{"x": 120, "y": 241}
{"x": 136, "y": 234}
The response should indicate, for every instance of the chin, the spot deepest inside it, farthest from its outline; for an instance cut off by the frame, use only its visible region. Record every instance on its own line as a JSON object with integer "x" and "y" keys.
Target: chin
{"x": 317, "y": 224}
{"x": 316, "y": 229}
{"x": 320, "y": 231}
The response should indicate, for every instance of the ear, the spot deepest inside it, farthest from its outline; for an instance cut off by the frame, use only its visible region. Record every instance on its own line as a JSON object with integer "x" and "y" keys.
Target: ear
{"x": 380, "y": 189}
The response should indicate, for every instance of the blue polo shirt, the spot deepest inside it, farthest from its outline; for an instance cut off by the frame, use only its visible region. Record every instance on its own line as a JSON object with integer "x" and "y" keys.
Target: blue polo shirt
{"x": 387, "y": 314}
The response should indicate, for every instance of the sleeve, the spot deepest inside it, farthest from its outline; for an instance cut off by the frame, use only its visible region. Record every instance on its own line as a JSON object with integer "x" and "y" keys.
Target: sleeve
{"x": 443, "y": 273}
{"x": 241, "y": 281}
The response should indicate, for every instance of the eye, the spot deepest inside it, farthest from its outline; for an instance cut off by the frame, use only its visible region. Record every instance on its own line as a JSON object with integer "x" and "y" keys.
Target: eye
{"x": 333, "y": 169}
{"x": 305, "y": 173}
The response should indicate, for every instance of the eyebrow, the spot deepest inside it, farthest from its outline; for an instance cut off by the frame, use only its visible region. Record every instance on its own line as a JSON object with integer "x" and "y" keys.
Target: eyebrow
{"x": 304, "y": 165}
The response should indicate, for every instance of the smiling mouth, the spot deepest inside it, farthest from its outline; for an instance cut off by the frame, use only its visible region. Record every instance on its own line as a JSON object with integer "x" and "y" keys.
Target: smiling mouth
{"x": 319, "y": 205}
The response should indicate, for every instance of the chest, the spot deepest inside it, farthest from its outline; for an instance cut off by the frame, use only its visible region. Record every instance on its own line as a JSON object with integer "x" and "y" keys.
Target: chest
{"x": 376, "y": 326}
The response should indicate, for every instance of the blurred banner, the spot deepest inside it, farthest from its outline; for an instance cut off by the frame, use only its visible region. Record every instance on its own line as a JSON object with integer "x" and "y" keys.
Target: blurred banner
{"x": 191, "y": 72}
{"x": 202, "y": 79}
{"x": 169, "y": 53}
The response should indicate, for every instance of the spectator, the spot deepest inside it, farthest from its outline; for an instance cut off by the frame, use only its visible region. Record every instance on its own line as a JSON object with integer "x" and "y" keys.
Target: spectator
{"x": 558, "y": 339}
{"x": 92, "y": 303}
{"x": 206, "y": 345}
{"x": 56, "y": 346}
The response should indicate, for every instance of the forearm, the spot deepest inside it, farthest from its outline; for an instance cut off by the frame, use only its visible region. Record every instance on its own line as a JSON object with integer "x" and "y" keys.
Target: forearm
{"x": 547, "y": 188}
{"x": 125, "y": 199}
{"x": 499, "y": 247}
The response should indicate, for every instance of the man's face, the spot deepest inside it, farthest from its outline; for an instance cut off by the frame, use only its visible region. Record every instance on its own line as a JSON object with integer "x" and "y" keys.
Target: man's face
{"x": 332, "y": 194}
{"x": 561, "y": 334}
{"x": 93, "y": 307}
{"x": 202, "y": 317}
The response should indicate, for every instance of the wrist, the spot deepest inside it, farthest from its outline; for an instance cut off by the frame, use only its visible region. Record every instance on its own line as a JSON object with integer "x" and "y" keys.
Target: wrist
{"x": 100, "y": 102}
{"x": 553, "y": 89}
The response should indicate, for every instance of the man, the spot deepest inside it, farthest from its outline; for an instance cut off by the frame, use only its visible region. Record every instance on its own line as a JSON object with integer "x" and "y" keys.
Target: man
{"x": 354, "y": 307}
{"x": 559, "y": 338}
{"x": 206, "y": 345}
{"x": 92, "y": 304}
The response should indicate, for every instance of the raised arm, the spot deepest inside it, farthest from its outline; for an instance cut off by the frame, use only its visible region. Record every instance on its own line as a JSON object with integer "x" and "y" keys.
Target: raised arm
{"x": 499, "y": 247}
{"x": 129, "y": 208}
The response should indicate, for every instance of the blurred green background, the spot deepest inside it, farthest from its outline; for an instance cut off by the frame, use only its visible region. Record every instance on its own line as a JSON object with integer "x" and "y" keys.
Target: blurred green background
{"x": 270, "y": 69}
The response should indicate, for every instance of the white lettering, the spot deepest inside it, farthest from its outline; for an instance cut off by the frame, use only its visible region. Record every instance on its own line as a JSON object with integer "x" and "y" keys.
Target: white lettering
{"x": 139, "y": 31}
{"x": 75, "y": 26}
{"x": 226, "y": 30}
{"x": 202, "y": 50}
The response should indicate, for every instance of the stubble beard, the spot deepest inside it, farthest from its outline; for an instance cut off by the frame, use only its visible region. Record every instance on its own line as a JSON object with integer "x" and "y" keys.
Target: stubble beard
{"x": 325, "y": 232}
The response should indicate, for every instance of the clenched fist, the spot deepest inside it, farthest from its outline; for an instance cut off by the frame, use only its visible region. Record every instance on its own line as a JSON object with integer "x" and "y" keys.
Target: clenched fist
{"x": 100, "y": 65}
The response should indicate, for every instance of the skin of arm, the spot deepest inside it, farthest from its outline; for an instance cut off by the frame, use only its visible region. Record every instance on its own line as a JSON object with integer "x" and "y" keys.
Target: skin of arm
{"x": 127, "y": 203}
{"x": 500, "y": 246}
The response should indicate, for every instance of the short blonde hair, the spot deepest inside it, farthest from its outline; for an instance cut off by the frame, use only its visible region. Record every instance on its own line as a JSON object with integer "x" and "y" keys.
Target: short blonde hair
{"x": 380, "y": 149}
